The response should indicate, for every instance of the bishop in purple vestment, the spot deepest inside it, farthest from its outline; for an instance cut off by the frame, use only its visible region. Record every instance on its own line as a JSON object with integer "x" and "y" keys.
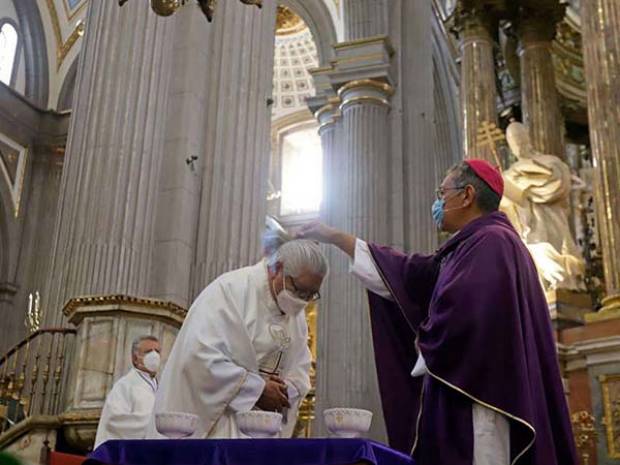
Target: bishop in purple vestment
{"x": 474, "y": 317}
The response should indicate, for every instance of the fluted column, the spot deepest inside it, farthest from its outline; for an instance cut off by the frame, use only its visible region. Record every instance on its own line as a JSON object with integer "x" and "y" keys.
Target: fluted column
{"x": 235, "y": 173}
{"x": 356, "y": 151}
{"x": 478, "y": 91}
{"x": 539, "y": 96}
{"x": 330, "y": 131}
{"x": 364, "y": 18}
{"x": 601, "y": 46}
{"x": 104, "y": 233}
{"x": 185, "y": 141}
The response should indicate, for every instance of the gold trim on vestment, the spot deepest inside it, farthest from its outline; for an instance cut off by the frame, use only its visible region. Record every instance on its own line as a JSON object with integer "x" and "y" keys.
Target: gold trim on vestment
{"x": 387, "y": 284}
{"x": 447, "y": 383}
{"x": 237, "y": 389}
{"x": 489, "y": 406}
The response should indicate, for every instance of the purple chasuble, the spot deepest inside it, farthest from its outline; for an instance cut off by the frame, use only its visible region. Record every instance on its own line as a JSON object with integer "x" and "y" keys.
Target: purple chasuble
{"x": 477, "y": 312}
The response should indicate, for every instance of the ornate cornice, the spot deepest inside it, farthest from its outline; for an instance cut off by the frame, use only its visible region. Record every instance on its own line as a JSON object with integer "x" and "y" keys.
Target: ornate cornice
{"x": 374, "y": 40}
{"x": 78, "y": 308}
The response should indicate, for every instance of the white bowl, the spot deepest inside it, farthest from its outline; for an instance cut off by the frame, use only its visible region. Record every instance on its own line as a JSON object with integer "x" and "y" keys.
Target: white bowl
{"x": 347, "y": 422}
{"x": 259, "y": 424}
{"x": 176, "y": 425}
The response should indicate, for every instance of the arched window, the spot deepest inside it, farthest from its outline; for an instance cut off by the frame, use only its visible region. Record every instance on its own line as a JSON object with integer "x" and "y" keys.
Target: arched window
{"x": 8, "y": 51}
{"x": 302, "y": 177}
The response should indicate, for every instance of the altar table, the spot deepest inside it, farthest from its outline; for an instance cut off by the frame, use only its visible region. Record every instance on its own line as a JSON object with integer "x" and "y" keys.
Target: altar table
{"x": 247, "y": 452}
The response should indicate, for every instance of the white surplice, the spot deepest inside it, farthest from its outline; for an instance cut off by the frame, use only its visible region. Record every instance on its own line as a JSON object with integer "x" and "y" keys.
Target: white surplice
{"x": 491, "y": 429}
{"x": 128, "y": 408}
{"x": 234, "y": 335}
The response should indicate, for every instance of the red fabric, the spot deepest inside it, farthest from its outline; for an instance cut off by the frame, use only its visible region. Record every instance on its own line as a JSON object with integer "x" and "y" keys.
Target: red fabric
{"x": 58, "y": 458}
{"x": 489, "y": 174}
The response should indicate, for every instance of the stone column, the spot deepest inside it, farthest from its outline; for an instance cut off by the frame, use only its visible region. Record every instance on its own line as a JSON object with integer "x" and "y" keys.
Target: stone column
{"x": 364, "y": 18}
{"x": 356, "y": 151}
{"x": 330, "y": 130}
{"x": 104, "y": 233}
{"x": 185, "y": 141}
{"x": 235, "y": 172}
{"x": 478, "y": 90}
{"x": 601, "y": 46}
{"x": 539, "y": 96}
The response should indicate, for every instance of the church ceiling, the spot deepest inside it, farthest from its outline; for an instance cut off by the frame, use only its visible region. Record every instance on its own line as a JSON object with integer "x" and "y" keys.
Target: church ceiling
{"x": 66, "y": 17}
{"x": 66, "y": 23}
{"x": 295, "y": 54}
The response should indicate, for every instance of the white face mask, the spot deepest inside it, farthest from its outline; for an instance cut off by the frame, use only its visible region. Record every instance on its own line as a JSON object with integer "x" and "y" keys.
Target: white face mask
{"x": 152, "y": 361}
{"x": 289, "y": 303}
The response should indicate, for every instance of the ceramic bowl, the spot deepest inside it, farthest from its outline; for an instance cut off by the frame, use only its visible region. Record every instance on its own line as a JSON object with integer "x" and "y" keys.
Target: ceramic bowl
{"x": 347, "y": 422}
{"x": 176, "y": 425}
{"x": 259, "y": 424}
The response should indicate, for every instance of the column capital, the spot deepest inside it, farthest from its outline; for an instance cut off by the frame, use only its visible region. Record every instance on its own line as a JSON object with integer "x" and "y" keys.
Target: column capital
{"x": 329, "y": 114}
{"x": 472, "y": 21}
{"x": 369, "y": 91}
{"x": 537, "y": 25}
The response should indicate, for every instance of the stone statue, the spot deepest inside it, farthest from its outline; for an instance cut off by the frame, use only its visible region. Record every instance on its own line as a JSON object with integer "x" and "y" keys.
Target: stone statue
{"x": 536, "y": 200}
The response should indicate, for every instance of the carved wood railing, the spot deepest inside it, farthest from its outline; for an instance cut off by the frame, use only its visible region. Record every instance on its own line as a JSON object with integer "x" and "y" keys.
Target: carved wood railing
{"x": 32, "y": 376}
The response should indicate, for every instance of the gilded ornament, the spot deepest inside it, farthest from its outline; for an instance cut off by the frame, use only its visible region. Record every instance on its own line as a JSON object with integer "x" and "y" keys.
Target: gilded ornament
{"x": 610, "y": 385}
{"x": 169, "y": 7}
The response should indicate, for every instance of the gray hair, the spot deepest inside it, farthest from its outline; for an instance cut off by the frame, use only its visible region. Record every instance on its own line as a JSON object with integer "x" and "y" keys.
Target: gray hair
{"x": 136, "y": 342}
{"x": 487, "y": 199}
{"x": 297, "y": 255}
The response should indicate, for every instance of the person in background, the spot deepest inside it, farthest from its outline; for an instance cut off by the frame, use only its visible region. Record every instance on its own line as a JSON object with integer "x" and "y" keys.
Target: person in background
{"x": 128, "y": 406}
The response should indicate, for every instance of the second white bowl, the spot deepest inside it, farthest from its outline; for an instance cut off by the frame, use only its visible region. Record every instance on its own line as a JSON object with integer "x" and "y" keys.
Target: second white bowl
{"x": 259, "y": 424}
{"x": 176, "y": 425}
{"x": 347, "y": 422}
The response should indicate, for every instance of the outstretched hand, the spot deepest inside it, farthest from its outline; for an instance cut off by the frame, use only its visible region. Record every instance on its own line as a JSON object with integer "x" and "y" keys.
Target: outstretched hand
{"x": 320, "y": 232}
{"x": 316, "y": 231}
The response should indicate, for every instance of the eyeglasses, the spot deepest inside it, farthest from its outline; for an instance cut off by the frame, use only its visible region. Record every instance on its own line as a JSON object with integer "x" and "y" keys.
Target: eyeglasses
{"x": 441, "y": 191}
{"x": 308, "y": 296}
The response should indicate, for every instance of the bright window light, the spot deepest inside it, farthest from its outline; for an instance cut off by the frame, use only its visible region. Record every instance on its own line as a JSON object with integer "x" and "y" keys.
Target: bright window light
{"x": 8, "y": 47}
{"x": 302, "y": 178}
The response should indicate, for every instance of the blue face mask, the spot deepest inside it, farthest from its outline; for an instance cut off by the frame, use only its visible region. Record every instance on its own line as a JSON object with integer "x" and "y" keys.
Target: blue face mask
{"x": 438, "y": 211}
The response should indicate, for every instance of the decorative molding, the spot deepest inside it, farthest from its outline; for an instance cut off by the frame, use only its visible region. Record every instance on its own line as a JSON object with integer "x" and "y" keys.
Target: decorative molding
{"x": 73, "y": 12}
{"x": 365, "y": 91}
{"x": 46, "y": 422}
{"x": 367, "y": 83}
{"x": 15, "y": 185}
{"x": 288, "y": 22}
{"x": 361, "y": 99}
{"x": 49, "y": 422}
{"x": 328, "y": 115}
{"x": 78, "y": 308}
{"x": 584, "y": 354}
{"x": 63, "y": 47}
{"x": 375, "y": 40}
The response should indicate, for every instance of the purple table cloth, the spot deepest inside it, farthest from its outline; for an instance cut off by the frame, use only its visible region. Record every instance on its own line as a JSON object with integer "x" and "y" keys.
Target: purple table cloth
{"x": 246, "y": 452}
